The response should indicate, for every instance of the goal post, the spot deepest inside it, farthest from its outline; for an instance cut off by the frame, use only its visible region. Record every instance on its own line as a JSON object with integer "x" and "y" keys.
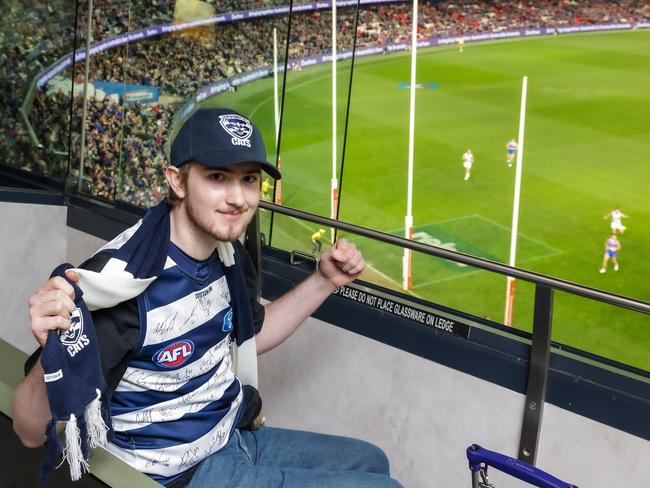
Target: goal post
{"x": 510, "y": 285}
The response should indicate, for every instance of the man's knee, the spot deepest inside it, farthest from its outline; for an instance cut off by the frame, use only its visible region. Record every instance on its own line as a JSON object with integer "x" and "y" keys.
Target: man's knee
{"x": 371, "y": 457}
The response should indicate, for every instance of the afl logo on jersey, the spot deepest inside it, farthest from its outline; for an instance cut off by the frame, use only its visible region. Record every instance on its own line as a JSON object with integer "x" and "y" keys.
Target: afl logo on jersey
{"x": 227, "y": 322}
{"x": 174, "y": 354}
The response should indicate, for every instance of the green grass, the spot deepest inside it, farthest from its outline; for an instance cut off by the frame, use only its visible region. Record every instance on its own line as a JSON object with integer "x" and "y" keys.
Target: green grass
{"x": 587, "y": 150}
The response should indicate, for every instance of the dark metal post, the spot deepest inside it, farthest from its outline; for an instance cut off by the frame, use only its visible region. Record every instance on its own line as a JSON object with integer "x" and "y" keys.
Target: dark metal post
{"x": 537, "y": 374}
{"x": 84, "y": 112}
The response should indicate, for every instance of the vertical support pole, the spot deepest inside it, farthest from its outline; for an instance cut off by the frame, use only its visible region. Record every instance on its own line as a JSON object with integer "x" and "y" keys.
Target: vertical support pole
{"x": 537, "y": 374}
{"x": 84, "y": 112}
{"x": 510, "y": 287}
{"x": 334, "y": 182}
{"x": 408, "y": 218}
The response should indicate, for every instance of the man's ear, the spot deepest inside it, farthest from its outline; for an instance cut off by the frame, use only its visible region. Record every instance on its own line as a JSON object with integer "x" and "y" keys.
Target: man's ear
{"x": 175, "y": 181}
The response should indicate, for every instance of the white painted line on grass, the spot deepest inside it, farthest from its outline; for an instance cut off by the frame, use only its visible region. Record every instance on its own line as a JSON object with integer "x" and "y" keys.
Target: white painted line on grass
{"x": 259, "y": 105}
{"x": 556, "y": 251}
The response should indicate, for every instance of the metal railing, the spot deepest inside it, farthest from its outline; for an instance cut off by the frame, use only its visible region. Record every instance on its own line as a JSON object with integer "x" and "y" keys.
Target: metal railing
{"x": 538, "y": 365}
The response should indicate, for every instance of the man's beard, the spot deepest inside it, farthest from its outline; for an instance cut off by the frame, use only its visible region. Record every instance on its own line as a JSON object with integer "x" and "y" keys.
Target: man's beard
{"x": 223, "y": 232}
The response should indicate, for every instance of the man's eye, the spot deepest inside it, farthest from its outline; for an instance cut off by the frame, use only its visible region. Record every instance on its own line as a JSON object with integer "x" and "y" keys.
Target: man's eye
{"x": 217, "y": 176}
{"x": 251, "y": 179}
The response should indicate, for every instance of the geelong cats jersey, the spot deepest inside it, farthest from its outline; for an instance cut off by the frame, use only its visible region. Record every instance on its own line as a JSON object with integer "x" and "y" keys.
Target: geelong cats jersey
{"x": 179, "y": 400}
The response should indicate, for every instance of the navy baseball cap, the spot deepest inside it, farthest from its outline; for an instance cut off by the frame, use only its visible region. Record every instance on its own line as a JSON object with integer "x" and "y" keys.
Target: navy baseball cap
{"x": 218, "y": 137}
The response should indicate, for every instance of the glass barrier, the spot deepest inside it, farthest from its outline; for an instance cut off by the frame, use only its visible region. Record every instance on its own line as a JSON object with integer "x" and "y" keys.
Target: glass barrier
{"x": 611, "y": 332}
{"x": 152, "y": 62}
{"x": 35, "y": 120}
{"x": 310, "y": 159}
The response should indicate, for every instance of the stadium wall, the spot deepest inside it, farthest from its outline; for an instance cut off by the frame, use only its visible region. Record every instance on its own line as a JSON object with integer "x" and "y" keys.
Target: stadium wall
{"x": 424, "y": 414}
{"x": 330, "y": 379}
{"x": 32, "y": 243}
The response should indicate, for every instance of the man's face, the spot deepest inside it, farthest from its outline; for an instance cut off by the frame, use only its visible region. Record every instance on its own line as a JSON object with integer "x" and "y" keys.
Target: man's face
{"x": 221, "y": 202}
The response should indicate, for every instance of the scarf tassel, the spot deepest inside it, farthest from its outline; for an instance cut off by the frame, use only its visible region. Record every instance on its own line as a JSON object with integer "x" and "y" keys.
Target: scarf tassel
{"x": 73, "y": 452}
{"x": 94, "y": 419}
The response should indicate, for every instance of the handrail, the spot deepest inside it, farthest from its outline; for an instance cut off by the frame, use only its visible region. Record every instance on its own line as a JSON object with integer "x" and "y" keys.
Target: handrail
{"x": 459, "y": 257}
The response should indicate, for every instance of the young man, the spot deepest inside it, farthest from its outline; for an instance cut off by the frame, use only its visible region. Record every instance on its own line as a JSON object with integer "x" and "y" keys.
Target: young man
{"x": 468, "y": 160}
{"x": 616, "y": 225}
{"x": 612, "y": 246}
{"x": 180, "y": 412}
{"x": 511, "y": 149}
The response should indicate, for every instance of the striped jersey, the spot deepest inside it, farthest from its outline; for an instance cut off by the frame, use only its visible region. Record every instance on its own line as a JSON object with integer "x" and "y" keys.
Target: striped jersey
{"x": 179, "y": 399}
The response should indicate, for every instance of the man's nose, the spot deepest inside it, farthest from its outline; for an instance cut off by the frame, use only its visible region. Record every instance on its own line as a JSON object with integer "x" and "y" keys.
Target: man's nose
{"x": 235, "y": 194}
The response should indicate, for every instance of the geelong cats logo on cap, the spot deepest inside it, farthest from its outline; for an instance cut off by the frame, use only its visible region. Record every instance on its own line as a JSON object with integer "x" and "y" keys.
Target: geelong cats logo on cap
{"x": 174, "y": 354}
{"x": 238, "y": 127}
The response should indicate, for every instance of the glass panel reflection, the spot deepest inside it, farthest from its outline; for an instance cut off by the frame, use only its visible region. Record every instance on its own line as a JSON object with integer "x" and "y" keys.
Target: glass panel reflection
{"x": 35, "y": 119}
{"x": 611, "y": 332}
{"x": 151, "y": 61}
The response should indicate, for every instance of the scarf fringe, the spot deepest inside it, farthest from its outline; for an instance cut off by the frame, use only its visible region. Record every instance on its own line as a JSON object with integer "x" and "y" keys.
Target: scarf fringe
{"x": 73, "y": 453}
{"x": 97, "y": 428}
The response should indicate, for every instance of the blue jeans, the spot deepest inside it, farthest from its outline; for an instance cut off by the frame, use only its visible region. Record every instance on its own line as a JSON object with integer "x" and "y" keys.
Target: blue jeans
{"x": 274, "y": 458}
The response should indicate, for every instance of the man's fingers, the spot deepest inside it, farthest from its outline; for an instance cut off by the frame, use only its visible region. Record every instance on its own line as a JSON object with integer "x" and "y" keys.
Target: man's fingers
{"x": 354, "y": 262}
{"x": 42, "y": 326}
{"x": 58, "y": 283}
{"x": 343, "y": 250}
{"x": 46, "y": 324}
{"x": 72, "y": 275}
{"x": 357, "y": 268}
{"x": 349, "y": 259}
{"x": 56, "y": 295}
{"x": 50, "y": 309}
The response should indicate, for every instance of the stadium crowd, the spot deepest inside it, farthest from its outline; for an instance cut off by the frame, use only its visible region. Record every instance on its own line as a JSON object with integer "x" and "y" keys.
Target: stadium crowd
{"x": 124, "y": 157}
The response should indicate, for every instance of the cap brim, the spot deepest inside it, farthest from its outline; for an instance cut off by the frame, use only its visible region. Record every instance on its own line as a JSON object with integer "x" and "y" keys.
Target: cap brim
{"x": 211, "y": 161}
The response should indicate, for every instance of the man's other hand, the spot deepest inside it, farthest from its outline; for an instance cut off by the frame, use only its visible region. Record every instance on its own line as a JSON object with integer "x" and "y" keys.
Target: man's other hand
{"x": 50, "y": 307}
{"x": 342, "y": 263}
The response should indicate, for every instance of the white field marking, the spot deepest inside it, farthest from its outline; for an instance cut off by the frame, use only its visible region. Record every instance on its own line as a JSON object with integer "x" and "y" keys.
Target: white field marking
{"x": 444, "y": 221}
{"x": 543, "y": 244}
{"x": 453, "y": 219}
{"x": 554, "y": 251}
{"x": 470, "y": 273}
{"x": 375, "y": 270}
{"x": 259, "y": 105}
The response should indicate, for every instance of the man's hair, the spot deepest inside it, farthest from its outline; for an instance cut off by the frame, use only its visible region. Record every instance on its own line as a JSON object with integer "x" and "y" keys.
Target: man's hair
{"x": 184, "y": 171}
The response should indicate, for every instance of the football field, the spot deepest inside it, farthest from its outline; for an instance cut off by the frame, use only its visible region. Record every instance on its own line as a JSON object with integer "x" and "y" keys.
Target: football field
{"x": 587, "y": 151}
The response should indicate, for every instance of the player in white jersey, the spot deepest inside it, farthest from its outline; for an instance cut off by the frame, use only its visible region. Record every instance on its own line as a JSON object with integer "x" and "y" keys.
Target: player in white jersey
{"x": 511, "y": 149}
{"x": 612, "y": 246}
{"x": 468, "y": 160}
{"x": 616, "y": 225}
